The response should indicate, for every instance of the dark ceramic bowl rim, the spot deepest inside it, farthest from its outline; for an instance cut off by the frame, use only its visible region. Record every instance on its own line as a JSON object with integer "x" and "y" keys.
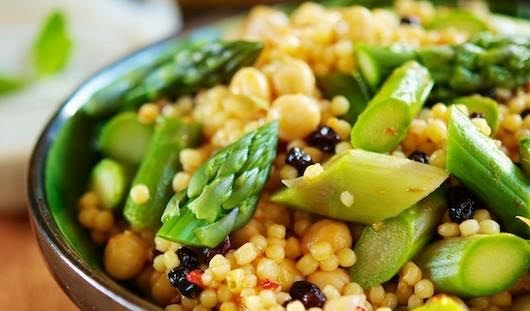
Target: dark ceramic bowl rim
{"x": 44, "y": 224}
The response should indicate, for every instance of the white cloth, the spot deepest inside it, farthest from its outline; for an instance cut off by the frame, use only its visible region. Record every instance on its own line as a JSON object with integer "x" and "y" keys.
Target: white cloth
{"x": 102, "y": 31}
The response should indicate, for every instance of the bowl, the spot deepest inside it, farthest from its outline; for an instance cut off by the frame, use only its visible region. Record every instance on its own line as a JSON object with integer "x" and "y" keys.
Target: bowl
{"x": 58, "y": 173}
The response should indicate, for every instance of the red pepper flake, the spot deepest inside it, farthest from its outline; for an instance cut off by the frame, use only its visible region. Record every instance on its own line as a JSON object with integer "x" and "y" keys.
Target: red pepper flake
{"x": 195, "y": 277}
{"x": 268, "y": 284}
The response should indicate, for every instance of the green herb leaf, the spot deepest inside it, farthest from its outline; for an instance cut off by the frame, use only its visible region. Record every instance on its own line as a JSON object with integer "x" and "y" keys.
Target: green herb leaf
{"x": 10, "y": 84}
{"x": 53, "y": 45}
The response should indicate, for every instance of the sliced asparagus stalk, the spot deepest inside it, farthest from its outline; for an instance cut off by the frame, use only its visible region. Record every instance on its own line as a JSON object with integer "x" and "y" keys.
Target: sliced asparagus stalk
{"x": 442, "y": 303}
{"x": 480, "y": 165}
{"x": 110, "y": 181}
{"x": 125, "y": 139}
{"x": 384, "y": 123}
{"x": 351, "y": 86}
{"x": 157, "y": 169}
{"x": 402, "y": 236}
{"x": 223, "y": 193}
{"x": 380, "y": 187}
{"x": 477, "y": 265}
{"x": 377, "y": 62}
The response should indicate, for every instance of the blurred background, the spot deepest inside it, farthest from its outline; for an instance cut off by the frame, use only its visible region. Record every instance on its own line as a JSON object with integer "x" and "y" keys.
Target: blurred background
{"x": 35, "y": 77}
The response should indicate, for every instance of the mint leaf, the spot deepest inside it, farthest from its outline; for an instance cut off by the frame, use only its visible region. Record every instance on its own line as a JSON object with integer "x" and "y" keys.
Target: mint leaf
{"x": 10, "y": 84}
{"x": 52, "y": 47}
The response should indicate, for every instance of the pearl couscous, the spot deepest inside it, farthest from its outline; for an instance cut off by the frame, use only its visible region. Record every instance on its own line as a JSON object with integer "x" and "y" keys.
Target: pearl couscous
{"x": 307, "y": 257}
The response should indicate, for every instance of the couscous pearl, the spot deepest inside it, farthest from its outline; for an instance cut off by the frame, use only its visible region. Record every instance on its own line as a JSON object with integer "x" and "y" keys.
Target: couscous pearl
{"x": 469, "y": 227}
{"x": 139, "y": 194}
{"x": 346, "y": 257}
{"x": 353, "y": 289}
{"x": 148, "y": 113}
{"x": 321, "y": 250}
{"x": 502, "y": 299}
{"x": 313, "y": 171}
{"x": 276, "y": 231}
{"x": 346, "y": 198}
{"x": 390, "y": 301}
{"x": 376, "y": 294}
{"x": 489, "y": 226}
{"x": 307, "y": 264}
{"x": 414, "y": 301}
{"x": 330, "y": 292}
{"x": 180, "y": 181}
{"x": 208, "y": 298}
{"x": 245, "y": 254}
{"x": 339, "y": 105}
{"x": 229, "y": 306}
{"x": 410, "y": 273}
{"x": 250, "y": 81}
{"x": 329, "y": 264}
{"x": 295, "y": 306}
{"x": 481, "y": 214}
{"x": 424, "y": 289}
{"x": 449, "y": 230}
{"x": 125, "y": 255}
{"x": 481, "y": 125}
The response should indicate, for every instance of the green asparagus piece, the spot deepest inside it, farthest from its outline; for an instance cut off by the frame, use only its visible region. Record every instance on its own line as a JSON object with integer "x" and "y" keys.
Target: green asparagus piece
{"x": 460, "y": 19}
{"x": 477, "y": 265}
{"x": 402, "y": 236}
{"x": 379, "y": 186}
{"x": 484, "y": 105}
{"x": 223, "y": 193}
{"x": 524, "y": 154}
{"x": 157, "y": 169}
{"x": 485, "y": 61}
{"x": 377, "y": 62}
{"x": 480, "y": 165}
{"x": 109, "y": 180}
{"x": 200, "y": 65}
{"x": 384, "y": 123}
{"x": 125, "y": 139}
{"x": 351, "y": 86}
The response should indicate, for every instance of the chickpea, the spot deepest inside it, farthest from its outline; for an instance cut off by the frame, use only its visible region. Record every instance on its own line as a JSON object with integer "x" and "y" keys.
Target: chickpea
{"x": 336, "y": 278}
{"x": 298, "y": 115}
{"x": 162, "y": 291}
{"x": 250, "y": 81}
{"x": 293, "y": 77}
{"x": 334, "y": 232}
{"x": 125, "y": 255}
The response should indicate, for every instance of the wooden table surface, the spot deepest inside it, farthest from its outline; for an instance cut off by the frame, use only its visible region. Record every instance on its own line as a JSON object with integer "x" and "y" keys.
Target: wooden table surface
{"x": 25, "y": 282}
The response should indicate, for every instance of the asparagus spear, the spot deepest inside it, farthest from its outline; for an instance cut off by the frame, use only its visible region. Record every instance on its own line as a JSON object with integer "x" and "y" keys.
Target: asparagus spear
{"x": 402, "y": 236}
{"x": 382, "y": 125}
{"x": 157, "y": 169}
{"x": 484, "y": 62}
{"x": 442, "y": 303}
{"x": 179, "y": 68}
{"x": 477, "y": 265}
{"x": 223, "y": 193}
{"x": 351, "y": 86}
{"x": 480, "y": 165}
{"x": 200, "y": 65}
{"x": 125, "y": 139}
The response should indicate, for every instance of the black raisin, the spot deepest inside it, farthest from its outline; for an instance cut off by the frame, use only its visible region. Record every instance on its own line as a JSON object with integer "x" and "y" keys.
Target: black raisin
{"x": 410, "y": 20}
{"x": 525, "y": 112}
{"x": 188, "y": 258}
{"x": 222, "y": 248}
{"x": 308, "y": 293}
{"x": 461, "y": 204}
{"x": 298, "y": 159}
{"x": 419, "y": 156}
{"x": 474, "y": 115}
{"x": 324, "y": 138}
{"x": 177, "y": 278}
